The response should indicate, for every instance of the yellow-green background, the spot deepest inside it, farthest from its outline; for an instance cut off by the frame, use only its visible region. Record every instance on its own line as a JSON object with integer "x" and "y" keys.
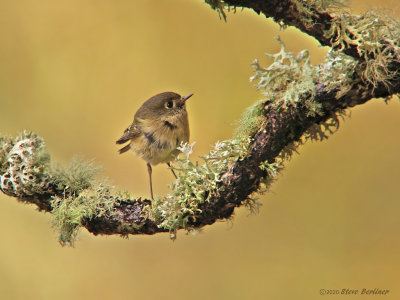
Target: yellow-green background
{"x": 76, "y": 71}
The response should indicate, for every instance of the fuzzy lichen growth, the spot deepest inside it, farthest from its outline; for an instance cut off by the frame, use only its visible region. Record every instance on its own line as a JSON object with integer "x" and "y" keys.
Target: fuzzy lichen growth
{"x": 250, "y": 121}
{"x": 288, "y": 80}
{"x": 375, "y": 37}
{"x": 77, "y": 176}
{"x": 328, "y": 6}
{"x": 306, "y": 10}
{"x": 70, "y": 211}
{"x": 337, "y": 72}
{"x": 84, "y": 197}
{"x": 196, "y": 182}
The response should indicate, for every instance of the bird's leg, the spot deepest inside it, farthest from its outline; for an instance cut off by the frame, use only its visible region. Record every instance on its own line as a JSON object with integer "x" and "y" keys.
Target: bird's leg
{"x": 151, "y": 184}
{"x": 172, "y": 170}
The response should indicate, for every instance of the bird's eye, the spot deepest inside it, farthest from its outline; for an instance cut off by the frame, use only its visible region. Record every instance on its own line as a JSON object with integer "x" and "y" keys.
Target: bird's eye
{"x": 169, "y": 104}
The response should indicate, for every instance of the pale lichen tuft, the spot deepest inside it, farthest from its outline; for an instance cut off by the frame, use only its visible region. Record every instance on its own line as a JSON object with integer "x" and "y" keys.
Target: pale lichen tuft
{"x": 288, "y": 80}
{"x": 70, "y": 211}
{"x": 374, "y": 35}
{"x": 77, "y": 176}
{"x": 196, "y": 183}
{"x": 23, "y": 163}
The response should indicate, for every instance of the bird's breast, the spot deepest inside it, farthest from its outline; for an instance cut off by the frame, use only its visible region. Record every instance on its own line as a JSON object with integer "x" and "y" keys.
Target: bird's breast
{"x": 159, "y": 141}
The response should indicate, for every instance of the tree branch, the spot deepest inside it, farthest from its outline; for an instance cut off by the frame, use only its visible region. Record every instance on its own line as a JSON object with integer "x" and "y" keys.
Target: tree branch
{"x": 287, "y": 12}
{"x": 304, "y": 105}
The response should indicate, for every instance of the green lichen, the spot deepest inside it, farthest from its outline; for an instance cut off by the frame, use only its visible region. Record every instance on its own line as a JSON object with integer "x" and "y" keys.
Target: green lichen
{"x": 5, "y": 147}
{"x": 374, "y": 35}
{"x": 325, "y": 6}
{"x": 250, "y": 121}
{"x": 196, "y": 182}
{"x": 272, "y": 169}
{"x": 288, "y": 80}
{"x": 337, "y": 72}
{"x": 329, "y": 5}
{"x": 77, "y": 176}
{"x": 84, "y": 196}
{"x": 70, "y": 211}
{"x": 307, "y": 9}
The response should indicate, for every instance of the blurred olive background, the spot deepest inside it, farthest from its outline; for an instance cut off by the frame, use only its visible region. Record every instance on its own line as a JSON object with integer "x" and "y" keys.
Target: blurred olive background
{"x": 75, "y": 72}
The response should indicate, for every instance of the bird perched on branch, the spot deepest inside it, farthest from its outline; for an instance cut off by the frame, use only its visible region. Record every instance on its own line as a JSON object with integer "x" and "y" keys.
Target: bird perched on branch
{"x": 159, "y": 126}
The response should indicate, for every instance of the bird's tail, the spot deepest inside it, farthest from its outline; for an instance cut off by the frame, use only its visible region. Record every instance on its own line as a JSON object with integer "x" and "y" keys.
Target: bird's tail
{"x": 122, "y": 140}
{"x": 124, "y": 149}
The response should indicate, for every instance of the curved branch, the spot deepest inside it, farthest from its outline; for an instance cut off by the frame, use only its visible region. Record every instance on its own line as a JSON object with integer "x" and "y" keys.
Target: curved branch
{"x": 282, "y": 126}
{"x": 239, "y": 181}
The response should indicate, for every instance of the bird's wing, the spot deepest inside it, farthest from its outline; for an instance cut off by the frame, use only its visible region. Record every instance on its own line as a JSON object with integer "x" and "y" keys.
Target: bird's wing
{"x": 130, "y": 133}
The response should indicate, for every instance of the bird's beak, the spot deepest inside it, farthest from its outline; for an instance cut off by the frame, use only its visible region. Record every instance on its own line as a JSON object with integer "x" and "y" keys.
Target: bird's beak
{"x": 183, "y": 99}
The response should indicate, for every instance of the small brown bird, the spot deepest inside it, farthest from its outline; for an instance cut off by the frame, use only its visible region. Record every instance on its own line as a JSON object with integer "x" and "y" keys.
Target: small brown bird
{"x": 159, "y": 126}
